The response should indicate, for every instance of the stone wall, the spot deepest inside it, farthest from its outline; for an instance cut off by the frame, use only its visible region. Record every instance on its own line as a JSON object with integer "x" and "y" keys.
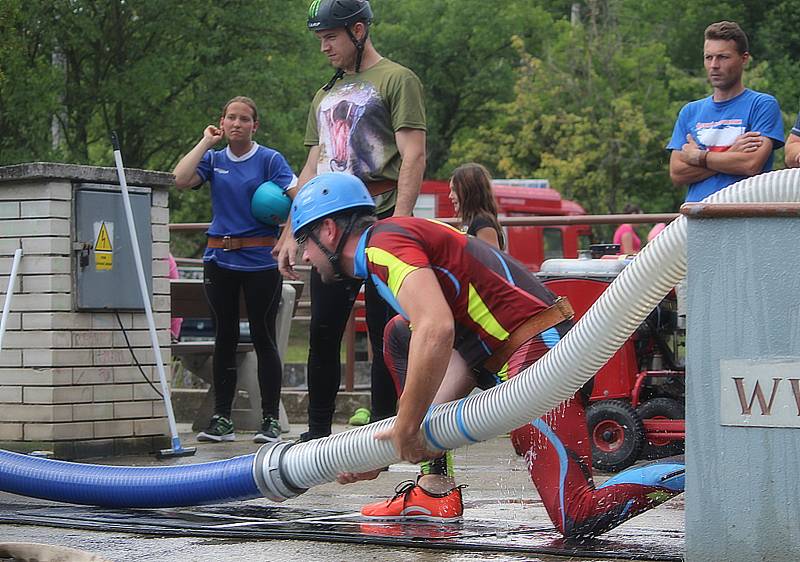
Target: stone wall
{"x": 68, "y": 383}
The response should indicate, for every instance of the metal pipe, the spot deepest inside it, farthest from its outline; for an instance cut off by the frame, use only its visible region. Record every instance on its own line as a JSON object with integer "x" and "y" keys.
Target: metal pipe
{"x": 148, "y": 309}
{"x": 9, "y": 294}
{"x": 555, "y": 220}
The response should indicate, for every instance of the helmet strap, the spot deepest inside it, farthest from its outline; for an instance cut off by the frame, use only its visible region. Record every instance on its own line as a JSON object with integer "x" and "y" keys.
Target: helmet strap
{"x": 336, "y": 77}
{"x": 359, "y": 55}
{"x": 335, "y": 257}
{"x": 359, "y": 44}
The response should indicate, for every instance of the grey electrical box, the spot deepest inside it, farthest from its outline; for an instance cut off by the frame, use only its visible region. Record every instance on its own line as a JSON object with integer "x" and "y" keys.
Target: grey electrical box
{"x": 105, "y": 271}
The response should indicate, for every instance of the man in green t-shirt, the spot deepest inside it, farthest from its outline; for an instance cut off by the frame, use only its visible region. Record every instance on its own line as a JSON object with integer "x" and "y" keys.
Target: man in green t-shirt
{"x": 369, "y": 121}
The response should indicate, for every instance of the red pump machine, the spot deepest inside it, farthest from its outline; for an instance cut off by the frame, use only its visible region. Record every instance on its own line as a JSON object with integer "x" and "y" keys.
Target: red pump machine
{"x": 637, "y": 401}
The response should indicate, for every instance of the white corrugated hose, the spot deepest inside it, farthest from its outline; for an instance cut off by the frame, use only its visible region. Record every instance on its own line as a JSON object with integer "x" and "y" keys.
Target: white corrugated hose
{"x": 553, "y": 379}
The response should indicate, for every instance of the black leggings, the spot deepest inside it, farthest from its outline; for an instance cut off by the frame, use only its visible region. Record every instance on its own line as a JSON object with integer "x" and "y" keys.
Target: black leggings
{"x": 331, "y": 304}
{"x": 262, "y": 294}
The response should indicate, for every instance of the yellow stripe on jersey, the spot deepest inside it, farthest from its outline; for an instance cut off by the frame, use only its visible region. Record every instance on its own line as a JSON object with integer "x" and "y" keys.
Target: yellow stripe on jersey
{"x": 398, "y": 269}
{"x": 479, "y": 312}
{"x": 450, "y": 226}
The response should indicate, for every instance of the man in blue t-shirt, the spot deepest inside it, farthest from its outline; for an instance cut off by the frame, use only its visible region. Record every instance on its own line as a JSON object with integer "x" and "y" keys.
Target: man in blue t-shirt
{"x": 793, "y": 146}
{"x": 731, "y": 134}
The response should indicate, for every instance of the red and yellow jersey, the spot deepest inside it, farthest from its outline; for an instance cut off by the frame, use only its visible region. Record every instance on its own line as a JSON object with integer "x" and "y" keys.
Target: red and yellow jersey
{"x": 489, "y": 292}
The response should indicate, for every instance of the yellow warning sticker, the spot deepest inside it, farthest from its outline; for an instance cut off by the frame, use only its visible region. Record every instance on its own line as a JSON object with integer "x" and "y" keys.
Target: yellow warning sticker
{"x": 103, "y": 249}
{"x": 103, "y": 243}
{"x": 104, "y": 261}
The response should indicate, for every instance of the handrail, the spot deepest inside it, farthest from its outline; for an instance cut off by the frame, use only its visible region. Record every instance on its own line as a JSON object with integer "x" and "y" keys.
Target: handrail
{"x": 539, "y": 220}
{"x": 554, "y": 220}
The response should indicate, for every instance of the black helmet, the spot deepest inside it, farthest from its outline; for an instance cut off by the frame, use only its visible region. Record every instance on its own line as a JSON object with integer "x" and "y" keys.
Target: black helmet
{"x": 330, "y": 14}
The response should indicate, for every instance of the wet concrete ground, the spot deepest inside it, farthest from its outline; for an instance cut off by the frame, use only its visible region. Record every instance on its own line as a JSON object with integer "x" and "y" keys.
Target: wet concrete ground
{"x": 500, "y": 495}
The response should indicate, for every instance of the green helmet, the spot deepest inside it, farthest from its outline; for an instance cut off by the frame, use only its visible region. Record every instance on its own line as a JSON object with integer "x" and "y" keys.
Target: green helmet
{"x": 330, "y": 14}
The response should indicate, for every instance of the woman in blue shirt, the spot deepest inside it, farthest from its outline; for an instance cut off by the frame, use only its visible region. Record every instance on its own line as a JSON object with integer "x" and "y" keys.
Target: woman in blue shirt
{"x": 238, "y": 257}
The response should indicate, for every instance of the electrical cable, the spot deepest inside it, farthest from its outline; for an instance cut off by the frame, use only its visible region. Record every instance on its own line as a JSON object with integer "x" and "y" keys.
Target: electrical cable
{"x": 135, "y": 360}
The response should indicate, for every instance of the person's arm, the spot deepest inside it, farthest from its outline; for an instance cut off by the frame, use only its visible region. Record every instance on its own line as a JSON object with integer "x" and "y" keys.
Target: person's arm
{"x": 185, "y": 172}
{"x": 740, "y": 163}
{"x": 626, "y": 243}
{"x": 682, "y": 173}
{"x": 488, "y": 235}
{"x": 792, "y": 156}
{"x": 411, "y": 145}
{"x": 745, "y": 157}
{"x": 285, "y": 251}
{"x": 430, "y": 348}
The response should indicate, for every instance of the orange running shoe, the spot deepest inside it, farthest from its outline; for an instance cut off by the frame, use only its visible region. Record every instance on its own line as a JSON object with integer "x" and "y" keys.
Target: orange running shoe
{"x": 413, "y": 502}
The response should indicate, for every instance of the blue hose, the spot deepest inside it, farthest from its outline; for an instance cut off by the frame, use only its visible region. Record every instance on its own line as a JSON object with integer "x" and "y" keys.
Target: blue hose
{"x": 127, "y": 486}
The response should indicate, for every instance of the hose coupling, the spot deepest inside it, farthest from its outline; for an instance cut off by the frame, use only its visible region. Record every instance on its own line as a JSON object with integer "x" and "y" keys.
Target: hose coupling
{"x": 268, "y": 474}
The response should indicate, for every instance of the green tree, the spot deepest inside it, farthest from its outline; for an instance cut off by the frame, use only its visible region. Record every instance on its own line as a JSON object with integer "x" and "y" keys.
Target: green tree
{"x": 155, "y": 72}
{"x": 778, "y": 38}
{"x": 592, "y": 113}
{"x": 513, "y": 85}
{"x": 27, "y": 88}
{"x": 462, "y": 51}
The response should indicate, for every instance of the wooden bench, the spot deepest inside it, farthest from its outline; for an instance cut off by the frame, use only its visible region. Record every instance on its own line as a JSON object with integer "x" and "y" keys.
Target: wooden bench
{"x": 189, "y": 301}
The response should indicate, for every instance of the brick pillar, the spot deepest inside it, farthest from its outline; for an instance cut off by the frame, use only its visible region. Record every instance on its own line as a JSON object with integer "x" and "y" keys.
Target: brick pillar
{"x": 68, "y": 383}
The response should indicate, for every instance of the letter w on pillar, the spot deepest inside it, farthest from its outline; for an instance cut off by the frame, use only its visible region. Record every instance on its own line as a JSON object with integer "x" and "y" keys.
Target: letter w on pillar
{"x": 758, "y": 394}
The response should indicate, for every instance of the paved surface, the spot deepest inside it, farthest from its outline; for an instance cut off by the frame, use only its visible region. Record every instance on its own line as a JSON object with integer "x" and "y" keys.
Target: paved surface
{"x": 499, "y": 492}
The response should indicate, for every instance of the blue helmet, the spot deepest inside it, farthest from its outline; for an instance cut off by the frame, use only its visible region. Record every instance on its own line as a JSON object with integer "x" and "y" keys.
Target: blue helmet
{"x": 326, "y": 195}
{"x": 270, "y": 204}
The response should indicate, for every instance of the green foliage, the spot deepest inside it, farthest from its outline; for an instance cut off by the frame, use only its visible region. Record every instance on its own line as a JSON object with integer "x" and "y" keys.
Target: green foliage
{"x": 28, "y": 88}
{"x": 156, "y": 72}
{"x": 595, "y": 107}
{"x": 463, "y": 53}
{"x": 591, "y": 114}
{"x": 779, "y": 43}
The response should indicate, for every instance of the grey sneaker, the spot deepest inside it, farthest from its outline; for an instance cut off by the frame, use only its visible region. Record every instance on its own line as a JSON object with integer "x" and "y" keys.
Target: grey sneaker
{"x": 220, "y": 429}
{"x": 270, "y": 431}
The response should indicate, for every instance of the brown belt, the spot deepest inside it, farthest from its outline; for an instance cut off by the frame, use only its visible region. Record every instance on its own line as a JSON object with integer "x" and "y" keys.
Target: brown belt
{"x": 230, "y": 243}
{"x": 555, "y": 314}
{"x": 382, "y": 186}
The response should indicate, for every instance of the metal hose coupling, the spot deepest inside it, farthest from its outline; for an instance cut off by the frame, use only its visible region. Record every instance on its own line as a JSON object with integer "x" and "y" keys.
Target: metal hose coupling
{"x": 268, "y": 473}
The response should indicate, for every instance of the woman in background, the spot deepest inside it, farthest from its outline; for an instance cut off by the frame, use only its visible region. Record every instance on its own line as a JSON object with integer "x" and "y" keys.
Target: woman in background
{"x": 629, "y": 242}
{"x": 238, "y": 258}
{"x": 473, "y": 199}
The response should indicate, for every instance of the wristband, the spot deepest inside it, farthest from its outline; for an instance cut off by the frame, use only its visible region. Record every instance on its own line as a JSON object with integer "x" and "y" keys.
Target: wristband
{"x": 703, "y": 158}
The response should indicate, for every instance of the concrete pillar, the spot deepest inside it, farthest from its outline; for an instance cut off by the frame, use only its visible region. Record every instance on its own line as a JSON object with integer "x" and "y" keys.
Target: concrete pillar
{"x": 67, "y": 380}
{"x": 743, "y": 383}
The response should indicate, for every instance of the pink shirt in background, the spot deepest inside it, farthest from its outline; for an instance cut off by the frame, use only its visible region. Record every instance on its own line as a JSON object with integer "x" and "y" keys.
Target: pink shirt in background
{"x": 656, "y": 230}
{"x": 626, "y": 228}
{"x": 175, "y": 323}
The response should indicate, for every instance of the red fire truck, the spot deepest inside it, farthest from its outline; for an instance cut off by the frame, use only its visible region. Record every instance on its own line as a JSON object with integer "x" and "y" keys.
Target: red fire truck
{"x": 519, "y": 198}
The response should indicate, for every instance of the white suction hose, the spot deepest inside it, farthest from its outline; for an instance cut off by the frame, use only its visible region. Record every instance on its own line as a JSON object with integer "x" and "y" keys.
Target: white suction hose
{"x": 543, "y": 386}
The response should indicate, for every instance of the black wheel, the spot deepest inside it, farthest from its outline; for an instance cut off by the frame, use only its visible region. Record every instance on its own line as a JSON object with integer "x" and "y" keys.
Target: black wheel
{"x": 665, "y": 409}
{"x": 617, "y": 434}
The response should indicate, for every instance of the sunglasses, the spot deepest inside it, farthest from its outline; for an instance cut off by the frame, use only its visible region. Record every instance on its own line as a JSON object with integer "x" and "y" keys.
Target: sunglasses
{"x": 302, "y": 237}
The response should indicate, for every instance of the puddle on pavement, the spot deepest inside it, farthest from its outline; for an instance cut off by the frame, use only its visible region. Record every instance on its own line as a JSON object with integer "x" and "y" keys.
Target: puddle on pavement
{"x": 255, "y": 522}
